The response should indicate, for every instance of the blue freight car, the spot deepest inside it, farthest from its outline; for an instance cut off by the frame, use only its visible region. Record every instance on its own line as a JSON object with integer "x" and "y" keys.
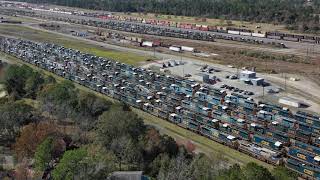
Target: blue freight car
{"x": 300, "y": 135}
{"x": 306, "y": 170}
{"x": 241, "y": 133}
{"x": 193, "y": 125}
{"x": 261, "y": 153}
{"x": 228, "y": 139}
{"x": 316, "y": 141}
{"x": 257, "y": 128}
{"x": 279, "y": 136}
{"x": 214, "y": 100}
{"x": 264, "y": 115}
{"x": 201, "y": 96}
{"x": 267, "y": 142}
{"x": 305, "y": 146}
{"x": 303, "y": 155}
{"x": 209, "y": 132}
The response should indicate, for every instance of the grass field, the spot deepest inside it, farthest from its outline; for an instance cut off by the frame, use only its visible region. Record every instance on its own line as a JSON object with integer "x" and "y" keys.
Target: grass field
{"x": 42, "y": 36}
{"x": 22, "y": 19}
{"x": 203, "y": 144}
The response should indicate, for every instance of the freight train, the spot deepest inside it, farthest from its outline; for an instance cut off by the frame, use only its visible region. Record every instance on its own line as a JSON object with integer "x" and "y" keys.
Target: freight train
{"x": 268, "y": 132}
{"x": 222, "y": 29}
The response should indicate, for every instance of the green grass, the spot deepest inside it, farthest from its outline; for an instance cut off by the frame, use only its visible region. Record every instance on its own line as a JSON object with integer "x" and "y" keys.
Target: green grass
{"x": 23, "y": 19}
{"x": 82, "y": 45}
{"x": 203, "y": 144}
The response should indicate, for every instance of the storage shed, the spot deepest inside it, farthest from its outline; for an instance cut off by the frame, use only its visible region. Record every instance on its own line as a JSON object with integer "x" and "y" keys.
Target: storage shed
{"x": 245, "y": 75}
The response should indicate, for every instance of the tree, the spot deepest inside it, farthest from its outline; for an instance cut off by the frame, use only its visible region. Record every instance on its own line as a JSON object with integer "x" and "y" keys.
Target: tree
{"x": 22, "y": 81}
{"x": 162, "y": 162}
{"x": 116, "y": 123}
{"x": 43, "y": 154}
{"x": 33, "y": 84}
{"x": 101, "y": 162}
{"x": 31, "y": 136}
{"x": 252, "y": 171}
{"x": 233, "y": 173}
{"x": 204, "y": 168}
{"x": 178, "y": 169}
{"x": 71, "y": 166}
{"x": 155, "y": 144}
{"x": 13, "y": 115}
{"x": 59, "y": 99}
{"x": 126, "y": 151}
{"x": 90, "y": 107}
{"x": 282, "y": 173}
{"x": 22, "y": 172}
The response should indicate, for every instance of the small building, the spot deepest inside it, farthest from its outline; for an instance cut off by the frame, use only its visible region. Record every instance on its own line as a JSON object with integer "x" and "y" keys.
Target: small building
{"x": 249, "y": 77}
{"x": 245, "y": 75}
{"x": 257, "y": 82}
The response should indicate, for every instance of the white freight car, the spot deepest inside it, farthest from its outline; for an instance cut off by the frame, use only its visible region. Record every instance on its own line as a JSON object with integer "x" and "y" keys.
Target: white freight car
{"x": 147, "y": 43}
{"x": 175, "y": 49}
{"x": 233, "y": 32}
{"x": 186, "y": 48}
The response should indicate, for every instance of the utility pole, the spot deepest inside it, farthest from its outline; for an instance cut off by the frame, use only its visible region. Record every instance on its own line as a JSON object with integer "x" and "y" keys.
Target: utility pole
{"x": 182, "y": 65}
{"x": 263, "y": 91}
{"x": 285, "y": 82}
{"x": 307, "y": 53}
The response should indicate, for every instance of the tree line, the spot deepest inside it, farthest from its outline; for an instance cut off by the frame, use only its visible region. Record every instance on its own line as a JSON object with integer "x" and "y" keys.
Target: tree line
{"x": 296, "y": 14}
{"x": 57, "y": 130}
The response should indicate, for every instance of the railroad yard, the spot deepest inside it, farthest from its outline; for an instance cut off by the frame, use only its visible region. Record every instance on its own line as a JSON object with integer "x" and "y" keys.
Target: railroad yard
{"x": 255, "y": 92}
{"x": 228, "y": 119}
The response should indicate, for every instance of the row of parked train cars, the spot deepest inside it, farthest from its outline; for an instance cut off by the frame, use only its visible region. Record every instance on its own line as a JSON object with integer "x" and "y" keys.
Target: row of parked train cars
{"x": 266, "y": 131}
{"x": 222, "y": 29}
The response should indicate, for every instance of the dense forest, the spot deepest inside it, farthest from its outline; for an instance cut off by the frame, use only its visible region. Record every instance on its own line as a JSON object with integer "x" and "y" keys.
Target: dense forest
{"x": 57, "y": 130}
{"x": 296, "y": 14}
